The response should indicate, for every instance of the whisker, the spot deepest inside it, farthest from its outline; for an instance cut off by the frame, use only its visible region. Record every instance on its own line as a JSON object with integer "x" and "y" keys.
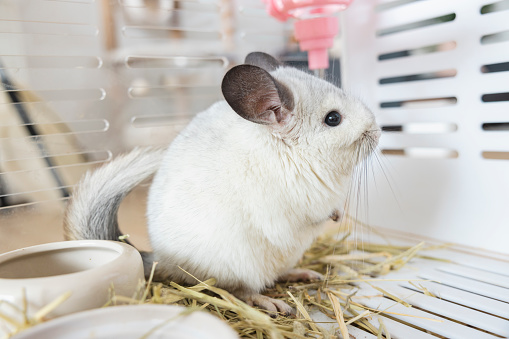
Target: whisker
{"x": 357, "y": 196}
{"x": 388, "y": 178}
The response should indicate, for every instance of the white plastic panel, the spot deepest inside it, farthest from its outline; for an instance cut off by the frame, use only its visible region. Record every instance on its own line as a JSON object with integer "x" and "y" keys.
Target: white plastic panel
{"x": 463, "y": 307}
{"x": 450, "y": 184}
{"x": 467, "y": 299}
{"x": 420, "y": 318}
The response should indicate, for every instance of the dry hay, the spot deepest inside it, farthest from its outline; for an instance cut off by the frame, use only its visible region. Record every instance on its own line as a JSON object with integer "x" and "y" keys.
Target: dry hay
{"x": 337, "y": 258}
{"x": 341, "y": 260}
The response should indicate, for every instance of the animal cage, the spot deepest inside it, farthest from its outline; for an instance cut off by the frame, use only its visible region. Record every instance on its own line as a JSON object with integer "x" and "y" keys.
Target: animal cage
{"x": 83, "y": 80}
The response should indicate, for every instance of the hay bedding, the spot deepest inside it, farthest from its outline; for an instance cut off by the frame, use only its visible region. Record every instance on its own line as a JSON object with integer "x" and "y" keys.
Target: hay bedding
{"x": 337, "y": 258}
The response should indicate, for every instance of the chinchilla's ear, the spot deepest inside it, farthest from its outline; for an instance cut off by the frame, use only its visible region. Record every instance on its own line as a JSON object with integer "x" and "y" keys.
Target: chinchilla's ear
{"x": 256, "y": 96}
{"x": 262, "y": 60}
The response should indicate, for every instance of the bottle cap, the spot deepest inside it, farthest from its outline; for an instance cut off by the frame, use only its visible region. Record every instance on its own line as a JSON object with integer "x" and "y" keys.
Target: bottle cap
{"x": 315, "y": 36}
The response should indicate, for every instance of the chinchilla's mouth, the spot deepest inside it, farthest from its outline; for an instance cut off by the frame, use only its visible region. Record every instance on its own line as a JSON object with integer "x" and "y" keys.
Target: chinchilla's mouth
{"x": 366, "y": 144}
{"x": 372, "y": 134}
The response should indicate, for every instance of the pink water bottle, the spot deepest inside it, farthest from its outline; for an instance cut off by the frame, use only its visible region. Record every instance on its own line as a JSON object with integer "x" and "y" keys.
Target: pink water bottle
{"x": 316, "y": 27}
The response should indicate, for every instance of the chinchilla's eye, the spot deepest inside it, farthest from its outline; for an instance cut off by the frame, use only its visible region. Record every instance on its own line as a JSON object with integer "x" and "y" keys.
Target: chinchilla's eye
{"x": 333, "y": 118}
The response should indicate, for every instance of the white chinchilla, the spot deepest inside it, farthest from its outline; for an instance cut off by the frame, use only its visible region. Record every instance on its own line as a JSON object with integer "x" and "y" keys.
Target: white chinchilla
{"x": 245, "y": 188}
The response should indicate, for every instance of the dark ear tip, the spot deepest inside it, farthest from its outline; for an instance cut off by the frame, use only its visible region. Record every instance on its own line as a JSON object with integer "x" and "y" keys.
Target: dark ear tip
{"x": 262, "y": 60}
{"x": 237, "y": 72}
{"x": 232, "y": 72}
{"x": 253, "y": 55}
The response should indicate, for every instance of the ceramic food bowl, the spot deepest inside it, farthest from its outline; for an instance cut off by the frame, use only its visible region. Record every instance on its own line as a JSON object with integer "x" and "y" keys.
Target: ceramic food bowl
{"x": 133, "y": 322}
{"x": 32, "y": 277}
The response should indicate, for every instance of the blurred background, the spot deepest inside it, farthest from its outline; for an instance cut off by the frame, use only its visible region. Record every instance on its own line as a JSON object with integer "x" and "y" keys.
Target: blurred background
{"x": 83, "y": 80}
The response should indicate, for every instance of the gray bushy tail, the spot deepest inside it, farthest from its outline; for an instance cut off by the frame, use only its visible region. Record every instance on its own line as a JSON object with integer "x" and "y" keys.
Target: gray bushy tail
{"x": 92, "y": 210}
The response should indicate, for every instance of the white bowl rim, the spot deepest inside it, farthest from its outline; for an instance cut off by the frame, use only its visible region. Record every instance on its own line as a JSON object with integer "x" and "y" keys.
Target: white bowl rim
{"x": 123, "y": 250}
{"x": 105, "y": 312}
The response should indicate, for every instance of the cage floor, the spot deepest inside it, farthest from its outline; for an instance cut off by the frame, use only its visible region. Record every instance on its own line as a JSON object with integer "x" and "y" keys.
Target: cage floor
{"x": 470, "y": 295}
{"x": 471, "y": 290}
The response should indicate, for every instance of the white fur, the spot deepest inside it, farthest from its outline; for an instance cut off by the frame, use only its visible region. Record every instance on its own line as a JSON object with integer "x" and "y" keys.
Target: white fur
{"x": 233, "y": 199}
{"x": 240, "y": 201}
